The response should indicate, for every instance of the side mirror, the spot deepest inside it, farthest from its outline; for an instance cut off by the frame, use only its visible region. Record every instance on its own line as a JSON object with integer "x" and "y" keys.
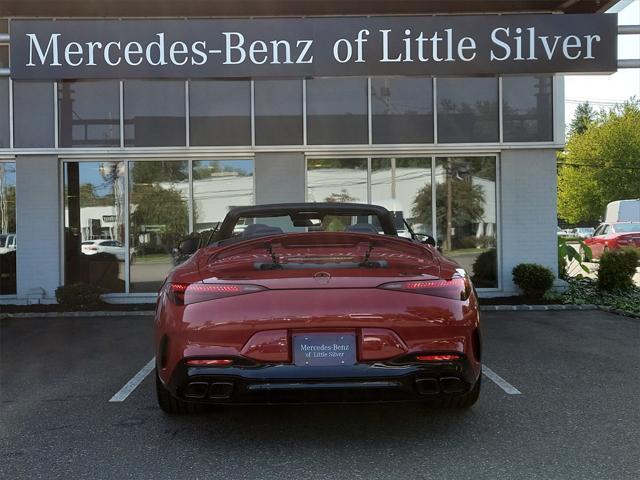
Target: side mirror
{"x": 426, "y": 239}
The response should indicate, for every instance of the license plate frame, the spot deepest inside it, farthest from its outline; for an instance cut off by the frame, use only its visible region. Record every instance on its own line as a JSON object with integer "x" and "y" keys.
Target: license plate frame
{"x": 324, "y": 349}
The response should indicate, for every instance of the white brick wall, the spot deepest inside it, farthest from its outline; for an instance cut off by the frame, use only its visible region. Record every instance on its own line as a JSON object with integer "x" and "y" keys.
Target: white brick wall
{"x": 528, "y": 208}
{"x": 38, "y": 253}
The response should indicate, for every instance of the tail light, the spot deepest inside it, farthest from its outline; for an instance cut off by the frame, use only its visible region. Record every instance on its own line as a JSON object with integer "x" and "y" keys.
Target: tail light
{"x": 188, "y": 293}
{"x": 438, "y": 358}
{"x": 209, "y": 362}
{"x": 458, "y": 288}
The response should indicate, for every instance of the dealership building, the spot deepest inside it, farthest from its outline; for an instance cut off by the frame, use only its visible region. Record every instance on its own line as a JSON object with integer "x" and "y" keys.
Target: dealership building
{"x": 124, "y": 126}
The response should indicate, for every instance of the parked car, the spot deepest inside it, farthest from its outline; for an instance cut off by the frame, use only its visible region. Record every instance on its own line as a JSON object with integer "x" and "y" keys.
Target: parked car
{"x": 290, "y": 310}
{"x": 609, "y": 236}
{"x": 584, "y": 232}
{"x": 8, "y": 242}
{"x": 91, "y": 247}
{"x": 565, "y": 232}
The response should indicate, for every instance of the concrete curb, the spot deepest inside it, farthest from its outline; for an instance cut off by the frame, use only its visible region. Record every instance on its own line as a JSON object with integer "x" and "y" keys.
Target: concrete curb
{"x": 528, "y": 308}
{"x": 484, "y": 308}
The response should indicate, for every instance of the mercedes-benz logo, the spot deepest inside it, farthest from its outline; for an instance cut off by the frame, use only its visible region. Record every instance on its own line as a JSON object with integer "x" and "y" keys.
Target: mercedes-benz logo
{"x": 322, "y": 277}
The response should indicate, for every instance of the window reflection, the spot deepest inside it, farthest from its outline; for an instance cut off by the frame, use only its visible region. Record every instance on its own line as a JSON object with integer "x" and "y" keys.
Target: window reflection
{"x": 33, "y": 117}
{"x": 403, "y": 186}
{"x": 402, "y": 110}
{"x": 278, "y": 110}
{"x": 4, "y": 113}
{"x": 527, "y": 109}
{"x": 220, "y": 112}
{"x": 159, "y": 218}
{"x": 89, "y": 113}
{"x": 337, "y": 180}
{"x": 94, "y": 224}
{"x": 337, "y": 111}
{"x": 8, "y": 239}
{"x": 467, "y": 110}
{"x": 4, "y": 56}
{"x": 466, "y": 214}
{"x": 219, "y": 185}
{"x": 154, "y": 113}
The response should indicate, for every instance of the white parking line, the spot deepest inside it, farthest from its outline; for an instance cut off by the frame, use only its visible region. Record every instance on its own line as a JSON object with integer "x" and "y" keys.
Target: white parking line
{"x": 122, "y": 394}
{"x": 501, "y": 382}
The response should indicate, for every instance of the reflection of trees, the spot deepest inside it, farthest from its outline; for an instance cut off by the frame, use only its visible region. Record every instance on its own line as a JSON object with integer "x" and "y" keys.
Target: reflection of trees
{"x": 337, "y": 223}
{"x": 7, "y": 201}
{"x": 466, "y": 199}
{"x": 342, "y": 197}
{"x": 161, "y": 211}
{"x": 351, "y": 163}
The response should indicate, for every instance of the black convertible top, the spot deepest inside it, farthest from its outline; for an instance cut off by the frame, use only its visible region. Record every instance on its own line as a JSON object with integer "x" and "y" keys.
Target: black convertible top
{"x": 307, "y": 208}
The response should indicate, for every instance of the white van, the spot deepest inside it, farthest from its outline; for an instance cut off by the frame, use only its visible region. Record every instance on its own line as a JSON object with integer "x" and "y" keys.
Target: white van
{"x": 623, "y": 211}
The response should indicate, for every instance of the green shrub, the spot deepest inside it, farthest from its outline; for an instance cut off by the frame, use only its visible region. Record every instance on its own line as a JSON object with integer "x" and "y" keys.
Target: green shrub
{"x": 534, "y": 280}
{"x": 586, "y": 291}
{"x": 79, "y": 294}
{"x": 484, "y": 269}
{"x": 617, "y": 268}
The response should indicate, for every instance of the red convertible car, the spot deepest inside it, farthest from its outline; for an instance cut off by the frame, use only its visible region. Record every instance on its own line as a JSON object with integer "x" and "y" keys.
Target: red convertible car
{"x": 316, "y": 302}
{"x": 609, "y": 236}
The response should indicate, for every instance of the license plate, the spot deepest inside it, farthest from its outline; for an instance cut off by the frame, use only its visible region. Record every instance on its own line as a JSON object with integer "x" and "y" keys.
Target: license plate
{"x": 324, "y": 349}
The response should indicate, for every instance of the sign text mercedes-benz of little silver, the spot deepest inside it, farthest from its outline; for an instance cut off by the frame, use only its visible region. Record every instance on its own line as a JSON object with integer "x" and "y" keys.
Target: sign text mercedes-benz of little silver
{"x": 412, "y": 45}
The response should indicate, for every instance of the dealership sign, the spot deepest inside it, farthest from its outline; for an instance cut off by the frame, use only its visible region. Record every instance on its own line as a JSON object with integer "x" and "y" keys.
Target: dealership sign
{"x": 412, "y": 45}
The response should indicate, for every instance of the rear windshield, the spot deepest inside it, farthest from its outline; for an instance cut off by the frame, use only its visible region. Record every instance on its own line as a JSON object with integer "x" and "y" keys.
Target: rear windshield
{"x": 627, "y": 227}
{"x": 259, "y": 226}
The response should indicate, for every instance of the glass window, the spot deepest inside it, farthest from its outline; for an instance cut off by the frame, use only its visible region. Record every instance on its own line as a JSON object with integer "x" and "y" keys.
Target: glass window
{"x": 467, "y": 110}
{"x": 337, "y": 180}
{"x": 4, "y": 113}
{"x": 89, "y": 113}
{"x": 94, "y": 210}
{"x": 402, "y": 110}
{"x": 4, "y": 25}
{"x": 527, "y": 109}
{"x": 337, "y": 111}
{"x": 159, "y": 218}
{"x": 4, "y": 56}
{"x": 7, "y": 228}
{"x": 219, "y": 185}
{"x": 403, "y": 186}
{"x": 154, "y": 113}
{"x": 466, "y": 215}
{"x": 33, "y": 117}
{"x": 278, "y": 110}
{"x": 219, "y": 112}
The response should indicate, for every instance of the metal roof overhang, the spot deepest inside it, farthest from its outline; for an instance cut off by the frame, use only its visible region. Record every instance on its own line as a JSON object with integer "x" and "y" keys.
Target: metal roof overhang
{"x": 244, "y": 8}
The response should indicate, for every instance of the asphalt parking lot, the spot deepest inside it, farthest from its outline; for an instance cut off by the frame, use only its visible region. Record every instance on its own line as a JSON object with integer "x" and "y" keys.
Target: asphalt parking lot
{"x": 577, "y": 415}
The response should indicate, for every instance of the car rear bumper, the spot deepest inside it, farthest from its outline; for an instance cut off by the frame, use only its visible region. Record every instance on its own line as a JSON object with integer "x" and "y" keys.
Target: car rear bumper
{"x": 285, "y": 383}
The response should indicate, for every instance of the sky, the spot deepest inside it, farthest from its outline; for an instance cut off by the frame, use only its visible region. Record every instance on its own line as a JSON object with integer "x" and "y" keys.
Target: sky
{"x": 604, "y": 91}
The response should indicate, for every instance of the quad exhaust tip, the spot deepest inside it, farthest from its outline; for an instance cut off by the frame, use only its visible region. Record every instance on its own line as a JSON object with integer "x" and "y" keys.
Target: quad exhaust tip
{"x": 433, "y": 386}
{"x": 213, "y": 391}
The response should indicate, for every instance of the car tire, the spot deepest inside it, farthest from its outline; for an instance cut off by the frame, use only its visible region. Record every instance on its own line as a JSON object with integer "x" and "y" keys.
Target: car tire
{"x": 171, "y": 405}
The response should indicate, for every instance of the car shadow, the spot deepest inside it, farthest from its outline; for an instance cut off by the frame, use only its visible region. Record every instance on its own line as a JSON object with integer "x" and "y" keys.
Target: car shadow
{"x": 320, "y": 425}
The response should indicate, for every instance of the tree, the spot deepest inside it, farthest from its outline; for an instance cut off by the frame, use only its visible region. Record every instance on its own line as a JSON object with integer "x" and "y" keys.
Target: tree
{"x": 583, "y": 117}
{"x": 600, "y": 165}
{"x": 467, "y": 205}
{"x": 160, "y": 210}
